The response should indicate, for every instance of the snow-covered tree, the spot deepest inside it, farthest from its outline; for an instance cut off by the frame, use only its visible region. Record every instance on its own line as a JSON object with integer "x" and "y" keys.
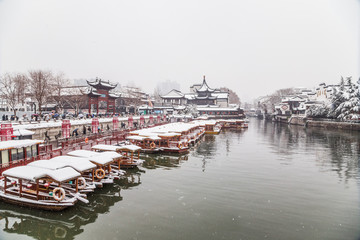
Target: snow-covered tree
{"x": 317, "y": 111}
{"x": 349, "y": 108}
{"x": 338, "y": 97}
{"x": 191, "y": 110}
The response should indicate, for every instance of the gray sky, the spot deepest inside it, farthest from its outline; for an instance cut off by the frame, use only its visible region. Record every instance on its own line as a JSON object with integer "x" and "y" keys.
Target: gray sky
{"x": 250, "y": 46}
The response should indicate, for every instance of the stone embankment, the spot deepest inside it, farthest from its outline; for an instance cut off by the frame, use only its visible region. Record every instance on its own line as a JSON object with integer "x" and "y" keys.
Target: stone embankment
{"x": 302, "y": 121}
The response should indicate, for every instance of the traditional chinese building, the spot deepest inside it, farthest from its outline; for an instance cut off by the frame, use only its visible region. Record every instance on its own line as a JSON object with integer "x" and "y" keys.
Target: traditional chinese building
{"x": 101, "y": 97}
{"x": 200, "y": 95}
{"x": 209, "y": 101}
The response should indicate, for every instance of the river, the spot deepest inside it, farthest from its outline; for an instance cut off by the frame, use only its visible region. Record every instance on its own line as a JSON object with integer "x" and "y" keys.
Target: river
{"x": 270, "y": 181}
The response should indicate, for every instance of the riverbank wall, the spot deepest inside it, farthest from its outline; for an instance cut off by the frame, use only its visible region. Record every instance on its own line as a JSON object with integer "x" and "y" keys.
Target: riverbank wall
{"x": 327, "y": 124}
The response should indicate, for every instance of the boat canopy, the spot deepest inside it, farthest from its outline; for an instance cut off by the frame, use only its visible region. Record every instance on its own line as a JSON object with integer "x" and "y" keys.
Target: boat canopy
{"x": 33, "y": 173}
{"x": 94, "y": 157}
{"x": 59, "y": 162}
{"x": 131, "y": 148}
{"x": 104, "y": 147}
{"x": 136, "y": 137}
{"x": 18, "y": 143}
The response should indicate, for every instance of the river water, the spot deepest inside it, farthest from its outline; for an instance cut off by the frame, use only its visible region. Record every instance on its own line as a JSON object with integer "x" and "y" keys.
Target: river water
{"x": 270, "y": 181}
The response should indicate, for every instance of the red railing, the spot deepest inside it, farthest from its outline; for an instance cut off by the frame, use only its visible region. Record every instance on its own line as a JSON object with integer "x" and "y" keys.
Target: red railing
{"x": 71, "y": 144}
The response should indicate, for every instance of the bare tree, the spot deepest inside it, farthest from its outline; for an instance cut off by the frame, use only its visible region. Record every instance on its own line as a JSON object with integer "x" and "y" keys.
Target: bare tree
{"x": 60, "y": 83}
{"x": 271, "y": 100}
{"x": 233, "y": 97}
{"x": 75, "y": 98}
{"x": 41, "y": 86}
{"x": 157, "y": 96}
{"x": 12, "y": 89}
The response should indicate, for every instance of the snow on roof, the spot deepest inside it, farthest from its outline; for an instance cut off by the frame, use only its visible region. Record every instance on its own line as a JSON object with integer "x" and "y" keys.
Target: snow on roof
{"x": 81, "y": 153}
{"x": 111, "y": 155}
{"x": 174, "y": 134}
{"x": 220, "y": 95}
{"x": 79, "y": 164}
{"x": 33, "y": 173}
{"x": 173, "y": 94}
{"x": 18, "y": 143}
{"x": 204, "y": 87}
{"x": 216, "y": 109}
{"x": 136, "y": 137}
{"x": 104, "y": 147}
{"x": 190, "y": 96}
{"x": 130, "y": 147}
{"x": 25, "y": 172}
{"x": 94, "y": 157}
{"x": 47, "y": 164}
{"x": 23, "y": 132}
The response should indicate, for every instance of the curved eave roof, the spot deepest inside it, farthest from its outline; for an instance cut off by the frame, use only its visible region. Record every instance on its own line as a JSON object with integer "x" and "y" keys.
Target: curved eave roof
{"x": 205, "y": 88}
{"x": 98, "y": 83}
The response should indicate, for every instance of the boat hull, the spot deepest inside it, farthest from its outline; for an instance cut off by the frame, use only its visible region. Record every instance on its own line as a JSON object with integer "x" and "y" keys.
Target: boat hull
{"x": 35, "y": 204}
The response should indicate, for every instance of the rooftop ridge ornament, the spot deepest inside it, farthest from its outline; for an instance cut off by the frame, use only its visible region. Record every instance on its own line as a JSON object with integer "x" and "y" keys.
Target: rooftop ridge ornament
{"x": 205, "y": 87}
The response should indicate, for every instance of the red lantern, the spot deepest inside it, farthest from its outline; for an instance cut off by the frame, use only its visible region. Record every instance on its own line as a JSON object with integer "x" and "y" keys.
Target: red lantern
{"x": 65, "y": 127}
{"x": 142, "y": 120}
{"x": 130, "y": 121}
{"x": 115, "y": 123}
{"x": 6, "y": 131}
{"x": 95, "y": 125}
{"x": 151, "y": 119}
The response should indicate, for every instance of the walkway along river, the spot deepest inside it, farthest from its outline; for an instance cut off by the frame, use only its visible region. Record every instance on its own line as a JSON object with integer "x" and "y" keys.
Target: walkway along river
{"x": 270, "y": 181}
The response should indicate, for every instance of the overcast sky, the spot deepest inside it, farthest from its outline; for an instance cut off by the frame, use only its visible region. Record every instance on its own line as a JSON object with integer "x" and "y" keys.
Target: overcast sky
{"x": 253, "y": 47}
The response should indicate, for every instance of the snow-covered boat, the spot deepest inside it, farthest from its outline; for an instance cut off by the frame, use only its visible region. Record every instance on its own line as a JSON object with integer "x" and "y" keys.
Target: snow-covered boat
{"x": 85, "y": 168}
{"x": 31, "y": 186}
{"x": 103, "y": 161}
{"x": 212, "y": 127}
{"x": 148, "y": 144}
{"x": 129, "y": 154}
{"x": 18, "y": 152}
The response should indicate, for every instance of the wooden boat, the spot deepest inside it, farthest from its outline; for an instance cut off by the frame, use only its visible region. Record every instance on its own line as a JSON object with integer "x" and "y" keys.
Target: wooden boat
{"x": 103, "y": 163}
{"x": 173, "y": 143}
{"x": 148, "y": 144}
{"x": 85, "y": 168}
{"x": 212, "y": 127}
{"x": 30, "y": 186}
{"x": 18, "y": 152}
{"x": 234, "y": 123}
{"x": 129, "y": 154}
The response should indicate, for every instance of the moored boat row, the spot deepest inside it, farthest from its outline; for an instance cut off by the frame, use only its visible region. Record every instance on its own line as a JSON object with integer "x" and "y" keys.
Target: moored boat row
{"x": 60, "y": 182}
{"x": 178, "y": 137}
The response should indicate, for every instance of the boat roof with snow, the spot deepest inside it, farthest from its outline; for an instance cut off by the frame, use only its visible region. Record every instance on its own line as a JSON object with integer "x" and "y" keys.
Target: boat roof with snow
{"x": 79, "y": 164}
{"x": 94, "y": 157}
{"x": 18, "y": 143}
{"x": 33, "y": 173}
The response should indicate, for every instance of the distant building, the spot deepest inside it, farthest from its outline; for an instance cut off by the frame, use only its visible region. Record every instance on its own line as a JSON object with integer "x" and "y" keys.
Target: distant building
{"x": 304, "y": 98}
{"x": 200, "y": 95}
{"x": 210, "y": 101}
{"x": 100, "y": 97}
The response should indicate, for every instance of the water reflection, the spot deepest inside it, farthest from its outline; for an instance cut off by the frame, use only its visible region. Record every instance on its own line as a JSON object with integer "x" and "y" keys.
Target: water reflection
{"x": 168, "y": 162}
{"x": 334, "y": 150}
{"x": 68, "y": 223}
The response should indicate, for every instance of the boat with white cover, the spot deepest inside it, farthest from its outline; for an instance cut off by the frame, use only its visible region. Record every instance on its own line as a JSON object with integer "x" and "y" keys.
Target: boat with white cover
{"x": 30, "y": 186}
